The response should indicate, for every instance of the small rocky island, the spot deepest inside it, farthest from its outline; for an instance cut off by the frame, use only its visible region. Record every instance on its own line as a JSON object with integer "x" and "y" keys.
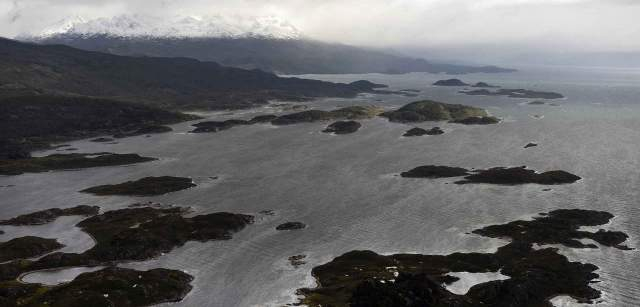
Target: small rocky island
{"x": 67, "y": 161}
{"x": 515, "y": 93}
{"x": 420, "y": 132}
{"x": 496, "y": 175}
{"x": 364, "y": 278}
{"x": 147, "y": 186}
{"x": 450, "y": 82}
{"x": 428, "y": 110}
{"x": 291, "y": 226}
{"x": 343, "y": 127}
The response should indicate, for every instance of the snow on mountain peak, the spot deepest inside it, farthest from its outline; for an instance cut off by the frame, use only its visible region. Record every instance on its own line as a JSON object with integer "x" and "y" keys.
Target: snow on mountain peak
{"x": 177, "y": 26}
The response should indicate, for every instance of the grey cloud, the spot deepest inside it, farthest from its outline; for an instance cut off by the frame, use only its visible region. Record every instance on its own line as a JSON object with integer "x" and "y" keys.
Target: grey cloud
{"x": 599, "y": 25}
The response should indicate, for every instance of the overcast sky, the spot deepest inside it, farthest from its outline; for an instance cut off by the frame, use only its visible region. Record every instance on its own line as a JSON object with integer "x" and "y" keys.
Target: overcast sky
{"x": 580, "y": 25}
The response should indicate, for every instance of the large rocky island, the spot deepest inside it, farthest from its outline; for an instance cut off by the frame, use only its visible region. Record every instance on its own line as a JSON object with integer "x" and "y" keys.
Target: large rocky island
{"x": 130, "y": 234}
{"x": 429, "y": 110}
{"x": 364, "y": 278}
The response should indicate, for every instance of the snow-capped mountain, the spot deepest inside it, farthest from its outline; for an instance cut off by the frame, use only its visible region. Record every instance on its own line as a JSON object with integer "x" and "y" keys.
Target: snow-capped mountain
{"x": 174, "y": 27}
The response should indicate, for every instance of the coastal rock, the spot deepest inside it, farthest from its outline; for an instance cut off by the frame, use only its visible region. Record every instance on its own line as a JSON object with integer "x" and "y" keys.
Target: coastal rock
{"x": 115, "y": 286}
{"x": 291, "y": 226}
{"x": 364, "y": 278}
{"x": 68, "y": 161}
{"x": 147, "y": 186}
{"x": 343, "y": 127}
{"x": 519, "y": 175}
{"x": 435, "y": 171}
{"x": 477, "y": 120}
{"x": 428, "y": 110}
{"x": 450, "y": 82}
{"x": 420, "y": 132}
{"x": 27, "y": 247}
{"x": 49, "y": 215}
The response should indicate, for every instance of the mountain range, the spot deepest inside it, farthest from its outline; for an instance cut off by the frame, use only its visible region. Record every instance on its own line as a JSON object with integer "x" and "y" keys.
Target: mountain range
{"x": 265, "y": 43}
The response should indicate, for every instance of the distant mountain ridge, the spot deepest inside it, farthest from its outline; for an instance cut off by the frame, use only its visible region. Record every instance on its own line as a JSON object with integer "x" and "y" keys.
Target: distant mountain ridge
{"x": 260, "y": 42}
{"x": 174, "y": 83}
{"x": 290, "y": 56}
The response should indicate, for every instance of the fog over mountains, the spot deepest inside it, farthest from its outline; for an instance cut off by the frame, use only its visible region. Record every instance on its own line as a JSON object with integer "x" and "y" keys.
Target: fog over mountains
{"x": 260, "y": 42}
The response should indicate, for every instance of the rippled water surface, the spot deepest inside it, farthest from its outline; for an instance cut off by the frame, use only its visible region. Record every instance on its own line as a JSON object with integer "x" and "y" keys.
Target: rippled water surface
{"x": 343, "y": 187}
